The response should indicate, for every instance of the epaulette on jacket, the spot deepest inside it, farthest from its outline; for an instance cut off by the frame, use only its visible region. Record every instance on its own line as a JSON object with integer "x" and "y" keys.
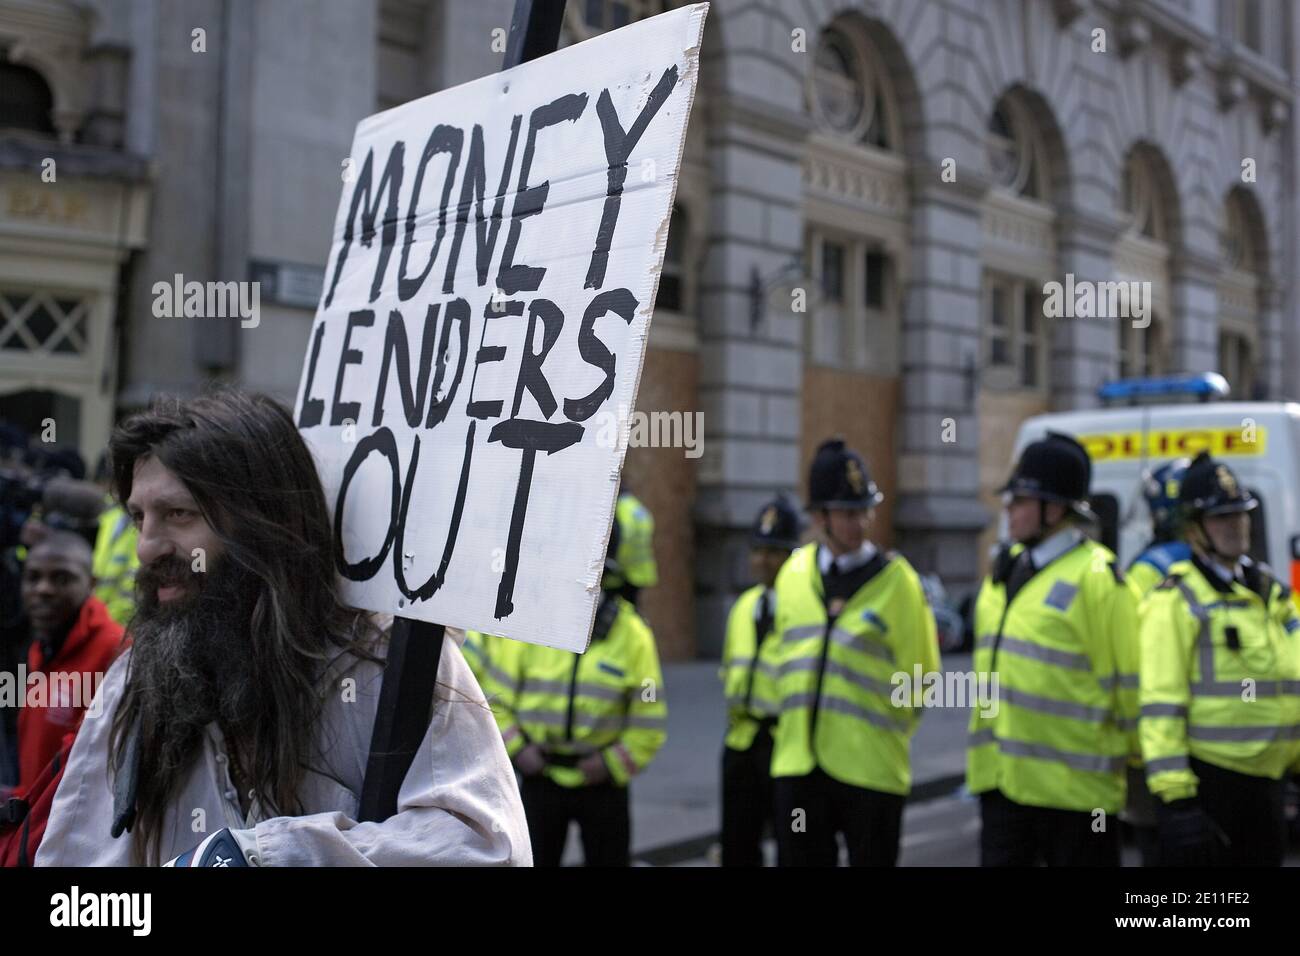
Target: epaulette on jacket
{"x": 1116, "y": 573}
{"x": 1169, "y": 583}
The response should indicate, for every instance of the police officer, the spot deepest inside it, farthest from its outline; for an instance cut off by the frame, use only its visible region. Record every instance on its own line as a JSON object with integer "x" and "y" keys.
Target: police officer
{"x": 1220, "y": 693}
{"x": 1056, "y": 643}
{"x": 751, "y": 655}
{"x": 636, "y": 554}
{"x": 855, "y": 632}
{"x": 1160, "y": 488}
{"x": 115, "y": 563}
{"x": 579, "y": 726}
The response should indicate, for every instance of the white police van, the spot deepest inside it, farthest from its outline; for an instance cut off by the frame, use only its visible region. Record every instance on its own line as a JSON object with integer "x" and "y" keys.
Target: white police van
{"x": 1177, "y": 417}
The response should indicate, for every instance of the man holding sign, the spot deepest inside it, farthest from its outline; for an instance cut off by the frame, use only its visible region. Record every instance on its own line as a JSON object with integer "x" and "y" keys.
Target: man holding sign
{"x": 241, "y": 718}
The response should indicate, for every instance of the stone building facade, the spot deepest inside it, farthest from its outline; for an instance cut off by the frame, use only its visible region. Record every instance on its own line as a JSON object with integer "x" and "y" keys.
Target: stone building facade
{"x": 874, "y": 196}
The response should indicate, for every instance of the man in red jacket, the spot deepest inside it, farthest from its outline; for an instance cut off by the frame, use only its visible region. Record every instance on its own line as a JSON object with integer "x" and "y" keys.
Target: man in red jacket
{"x": 74, "y": 640}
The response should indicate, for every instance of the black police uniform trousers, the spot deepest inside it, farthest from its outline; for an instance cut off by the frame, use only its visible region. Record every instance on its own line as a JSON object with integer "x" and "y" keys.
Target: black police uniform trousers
{"x": 746, "y": 800}
{"x": 1014, "y": 834}
{"x": 869, "y": 820}
{"x": 601, "y": 812}
{"x": 1250, "y": 812}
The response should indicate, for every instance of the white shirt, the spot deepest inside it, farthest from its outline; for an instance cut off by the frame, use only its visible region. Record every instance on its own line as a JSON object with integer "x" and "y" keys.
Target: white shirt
{"x": 1053, "y": 546}
{"x": 459, "y": 804}
{"x": 845, "y": 562}
{"x": 1226, "y": 573}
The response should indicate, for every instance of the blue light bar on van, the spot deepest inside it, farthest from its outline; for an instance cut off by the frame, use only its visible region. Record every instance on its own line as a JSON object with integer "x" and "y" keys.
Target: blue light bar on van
{"x": 1206, "y": 386}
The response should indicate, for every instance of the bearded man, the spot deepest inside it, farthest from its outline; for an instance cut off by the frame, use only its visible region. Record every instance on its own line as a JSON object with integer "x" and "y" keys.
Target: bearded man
{"x": 240, "y": 721}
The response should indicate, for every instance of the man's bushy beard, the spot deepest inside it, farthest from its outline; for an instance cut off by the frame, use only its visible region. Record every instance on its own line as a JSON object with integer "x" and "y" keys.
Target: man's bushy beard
{"x": 191, "y": 658}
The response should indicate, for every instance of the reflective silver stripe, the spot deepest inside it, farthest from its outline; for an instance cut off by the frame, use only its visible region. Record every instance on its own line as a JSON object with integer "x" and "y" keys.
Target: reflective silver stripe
{"x": 1058, "y": 708}
{"x": 1202, "y": 614}
{"x": 500, "y": 676}
{"x": 802, "y": 632}
{"x": 862, "y": 643}
{"x": 598, "y": 691}
{"x": 1129, "y": 681}
{"x": 859, "y": 642}
{"x": 979, "y": 738}
{"x": 848, "y": 708}
{"x": 865, "y": 681}
{"x": 1165, "y": 764}
{"x": 1077, "y": 761}
{"x": 580, "y": 720}
{"x": 1262, "y": 688}
{"x": 1224, "y": 734}
{"x": 648, "y": 723}
{"x": 1164, "y": 710}
{"x": 544, "y": 717}
{"x": 1046, "y": 655}
{"x": 764, "y": 667}
{"x": 533, "y": 685}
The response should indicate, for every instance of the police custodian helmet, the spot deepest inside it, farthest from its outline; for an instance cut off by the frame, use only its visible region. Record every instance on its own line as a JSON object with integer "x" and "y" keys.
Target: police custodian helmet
{"x": 1055, "y": 468}
{"x": 838, "y": 478}
{"x": 1210, "y": 488}
{"x": 777, "y": 524}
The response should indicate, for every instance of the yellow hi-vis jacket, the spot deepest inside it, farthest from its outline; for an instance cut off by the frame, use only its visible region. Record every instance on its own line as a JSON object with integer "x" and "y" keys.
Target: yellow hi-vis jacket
{"x": 841, "y": 706}
{"x": 749, "y": 671}
{"x": 1061, "y": 726}
{"x": 609, "y": 700}
{"x": 636, "y": 554}
{"x": 489, "y": 658}
{"x": 115, "y": 563}
{"x": 1220, "y": 679}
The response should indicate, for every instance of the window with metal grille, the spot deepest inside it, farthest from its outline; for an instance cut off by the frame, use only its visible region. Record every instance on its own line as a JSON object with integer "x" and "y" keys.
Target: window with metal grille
{"x": 43, "y": 322}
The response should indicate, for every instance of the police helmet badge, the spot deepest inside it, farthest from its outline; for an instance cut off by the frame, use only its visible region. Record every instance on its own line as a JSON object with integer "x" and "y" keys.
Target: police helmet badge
{"x": 1226, "y": 481}
{"x": 768, "y": 520}
{"x": 853, "y": 475}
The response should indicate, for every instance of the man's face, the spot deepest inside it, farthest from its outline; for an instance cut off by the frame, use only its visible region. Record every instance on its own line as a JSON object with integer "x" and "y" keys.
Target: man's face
{"x": 1025, "y": 518}
{"x": 844, "y": 529}
{"x": 766, "y": 562}
{"x": 173, "y": 534}
{"x": 1229, "y": 533}
{"x": 54, "y": 586}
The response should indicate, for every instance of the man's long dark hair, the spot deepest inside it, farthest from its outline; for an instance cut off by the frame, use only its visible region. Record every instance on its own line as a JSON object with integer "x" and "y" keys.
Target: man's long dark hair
{"x": 256, "y": 485}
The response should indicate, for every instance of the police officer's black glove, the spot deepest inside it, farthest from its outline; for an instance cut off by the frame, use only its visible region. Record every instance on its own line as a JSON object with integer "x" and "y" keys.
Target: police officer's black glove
{"x": 1188, "y": 835}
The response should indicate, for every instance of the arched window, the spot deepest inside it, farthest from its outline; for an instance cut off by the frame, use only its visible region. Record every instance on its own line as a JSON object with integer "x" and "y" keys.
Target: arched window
{"x": 849, "y": 90}
{"x": 1142, "y": 254}
{"x": 1143, "y": 202}
{"x": 26, "y": 102}
{"x": 1140, "y": 353}
{"x": 1019, "y": 245}
{"x": 1015, "y": 152}
{"x": 1240, "y": 299}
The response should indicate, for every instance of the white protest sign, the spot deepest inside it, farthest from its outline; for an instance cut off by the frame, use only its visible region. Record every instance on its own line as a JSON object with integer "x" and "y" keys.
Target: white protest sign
{"x": 495, "y": 259}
